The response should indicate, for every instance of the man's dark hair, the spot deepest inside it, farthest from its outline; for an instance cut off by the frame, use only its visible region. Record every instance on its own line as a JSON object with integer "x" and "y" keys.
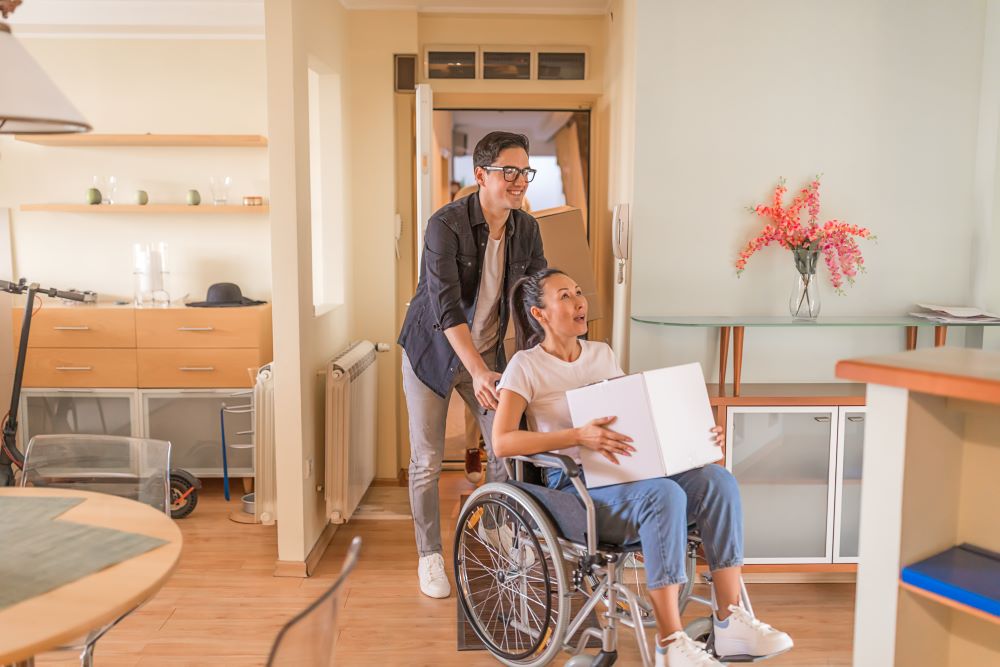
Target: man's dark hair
{"x": 490, "y": 146}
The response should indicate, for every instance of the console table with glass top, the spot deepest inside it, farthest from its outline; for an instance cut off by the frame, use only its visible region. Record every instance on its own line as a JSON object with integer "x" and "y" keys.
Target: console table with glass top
{"x": 796, "y": 450}
{"x": 734, "y": 326}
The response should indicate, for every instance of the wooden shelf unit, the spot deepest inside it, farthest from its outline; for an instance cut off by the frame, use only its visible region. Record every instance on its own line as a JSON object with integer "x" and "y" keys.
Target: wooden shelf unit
{"x": 930, "y": 483}
{"x": 161, "y": 140}
{"x": 201, "y": 209}
{"x": 948, "y": 602}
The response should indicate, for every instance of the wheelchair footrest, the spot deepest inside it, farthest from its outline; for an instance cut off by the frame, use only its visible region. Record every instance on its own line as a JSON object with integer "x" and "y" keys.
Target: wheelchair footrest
{"x": 747, "y": 658}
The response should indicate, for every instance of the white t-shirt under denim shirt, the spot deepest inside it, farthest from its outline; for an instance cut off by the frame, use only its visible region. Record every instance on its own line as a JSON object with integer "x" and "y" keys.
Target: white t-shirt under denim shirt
{"x": 485, "y": 327}
{"x": 543, "y": 380}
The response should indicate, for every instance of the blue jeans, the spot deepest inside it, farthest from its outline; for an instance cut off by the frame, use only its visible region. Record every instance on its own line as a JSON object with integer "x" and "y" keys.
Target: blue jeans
{"x": 656, "y": 513}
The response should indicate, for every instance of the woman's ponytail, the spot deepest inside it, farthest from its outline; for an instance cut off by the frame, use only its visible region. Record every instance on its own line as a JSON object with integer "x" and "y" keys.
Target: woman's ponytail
{"x": 526, "y": 294}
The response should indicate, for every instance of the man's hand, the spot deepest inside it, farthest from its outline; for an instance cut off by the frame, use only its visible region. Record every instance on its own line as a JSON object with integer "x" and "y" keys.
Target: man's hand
{"x": 484, "y": 383}
{"x": 596, "y": 435}
{"x": 720, "y": 435}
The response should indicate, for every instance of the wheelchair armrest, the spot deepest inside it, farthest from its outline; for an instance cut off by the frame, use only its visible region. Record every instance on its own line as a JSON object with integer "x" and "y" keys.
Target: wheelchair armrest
{"x": 549, "y": 460}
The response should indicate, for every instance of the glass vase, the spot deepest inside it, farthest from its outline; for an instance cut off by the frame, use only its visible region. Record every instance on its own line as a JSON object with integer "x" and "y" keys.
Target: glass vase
{"x": 804, "y": 303}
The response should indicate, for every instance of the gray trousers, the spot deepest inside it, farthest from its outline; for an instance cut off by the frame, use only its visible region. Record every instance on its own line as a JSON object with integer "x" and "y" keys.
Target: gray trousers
{"x": 428, "y": 413}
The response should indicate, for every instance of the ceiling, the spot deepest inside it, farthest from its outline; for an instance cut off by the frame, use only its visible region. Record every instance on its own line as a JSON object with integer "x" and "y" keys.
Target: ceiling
{"x": 480, "y": 7}
{"x": 231, "y": 19}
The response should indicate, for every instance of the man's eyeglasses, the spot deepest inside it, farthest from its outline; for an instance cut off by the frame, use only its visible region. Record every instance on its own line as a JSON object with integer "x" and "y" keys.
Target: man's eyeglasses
{"x": 510, "y": 174}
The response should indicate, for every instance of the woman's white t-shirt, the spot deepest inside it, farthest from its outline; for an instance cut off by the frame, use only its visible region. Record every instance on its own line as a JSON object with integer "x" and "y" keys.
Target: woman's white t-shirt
{"x": 543, "y": 380}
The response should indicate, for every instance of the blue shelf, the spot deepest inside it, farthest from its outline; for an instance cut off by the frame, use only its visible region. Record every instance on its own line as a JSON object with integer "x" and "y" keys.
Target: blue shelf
{"x": 966, "y": 574}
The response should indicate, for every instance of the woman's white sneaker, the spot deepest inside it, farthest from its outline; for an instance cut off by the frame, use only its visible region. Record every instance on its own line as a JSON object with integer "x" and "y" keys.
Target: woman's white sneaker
{"x": 742, "y": 634}
{"x": 433, "y": 580}
{"x": 683, "y": 652}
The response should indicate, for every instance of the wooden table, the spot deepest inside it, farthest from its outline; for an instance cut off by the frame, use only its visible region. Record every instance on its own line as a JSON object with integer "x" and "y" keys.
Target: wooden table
{"x": 67, "y": 613}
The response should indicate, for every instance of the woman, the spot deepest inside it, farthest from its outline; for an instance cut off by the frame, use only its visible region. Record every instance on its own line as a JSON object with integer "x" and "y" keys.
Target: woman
{"x": 550, "y": 313}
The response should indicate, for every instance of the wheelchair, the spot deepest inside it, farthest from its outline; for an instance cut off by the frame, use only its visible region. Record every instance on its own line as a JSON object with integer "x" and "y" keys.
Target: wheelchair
{"x": 528, "y": 599}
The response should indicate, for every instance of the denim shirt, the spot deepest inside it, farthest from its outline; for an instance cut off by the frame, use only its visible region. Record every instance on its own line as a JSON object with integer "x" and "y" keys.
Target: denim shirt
{"x": 450, "y": 271}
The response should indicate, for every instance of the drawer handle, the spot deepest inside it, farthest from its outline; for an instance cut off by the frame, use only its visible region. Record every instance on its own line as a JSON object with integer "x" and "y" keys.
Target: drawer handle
{"x": 822, "y": 420}
{"x": 74, "y": 368}
{"x": 196, "y": 328}
{"x": 855, "y": 418}
{"x": 197, "y": 369}
{"x": 82, "y": 327}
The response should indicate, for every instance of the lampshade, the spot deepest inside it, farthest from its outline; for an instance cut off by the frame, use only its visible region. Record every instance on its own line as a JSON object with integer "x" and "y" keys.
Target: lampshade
{"x": 29, "y": 102}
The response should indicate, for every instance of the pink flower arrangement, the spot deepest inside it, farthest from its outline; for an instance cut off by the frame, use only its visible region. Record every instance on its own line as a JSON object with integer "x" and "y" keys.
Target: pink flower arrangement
{"x": 834, "y": 238}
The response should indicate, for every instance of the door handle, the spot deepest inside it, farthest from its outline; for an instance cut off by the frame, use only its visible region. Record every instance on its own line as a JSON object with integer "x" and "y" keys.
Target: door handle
{"x": 822, "y": 420}
{"x": 855, "y": 418}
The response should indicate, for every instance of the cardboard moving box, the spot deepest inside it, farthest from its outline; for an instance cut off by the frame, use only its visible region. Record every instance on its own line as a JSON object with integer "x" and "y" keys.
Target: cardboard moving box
{"x": 564, "y": 239}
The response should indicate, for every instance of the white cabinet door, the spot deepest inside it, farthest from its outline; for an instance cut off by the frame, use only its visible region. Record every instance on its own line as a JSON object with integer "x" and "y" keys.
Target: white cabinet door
{"x": 77, "y": 411}
{"x": 189, "y": 419}
{"x": 847, "y": 510}
{"x": 784, "y": 459}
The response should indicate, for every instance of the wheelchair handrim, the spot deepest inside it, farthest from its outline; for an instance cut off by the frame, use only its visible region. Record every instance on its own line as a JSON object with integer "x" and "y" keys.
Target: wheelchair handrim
{"x": 539, "y": 653}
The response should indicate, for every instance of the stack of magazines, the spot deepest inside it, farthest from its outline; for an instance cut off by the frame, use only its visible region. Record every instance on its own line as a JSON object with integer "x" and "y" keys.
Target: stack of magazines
{"x": 954, "y": 314}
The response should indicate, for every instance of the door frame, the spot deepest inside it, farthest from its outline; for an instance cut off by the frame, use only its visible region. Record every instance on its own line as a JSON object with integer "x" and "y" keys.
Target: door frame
{"x": 599, "y": 233}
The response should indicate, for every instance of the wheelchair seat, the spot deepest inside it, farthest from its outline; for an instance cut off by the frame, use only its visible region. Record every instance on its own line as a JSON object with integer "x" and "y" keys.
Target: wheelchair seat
{"x": 569, "y": 515}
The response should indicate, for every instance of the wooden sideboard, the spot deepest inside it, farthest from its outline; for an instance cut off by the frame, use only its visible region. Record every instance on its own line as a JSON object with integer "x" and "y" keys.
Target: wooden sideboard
{"x": 162, "y": 373}
{"x": 117, "y": 347}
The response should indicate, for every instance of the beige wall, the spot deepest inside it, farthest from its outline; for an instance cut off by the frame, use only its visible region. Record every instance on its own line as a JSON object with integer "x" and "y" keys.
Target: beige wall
{"x": 375, "y": 37}
{"x": 136, "y": 86}
{"x": 617, "y": 138}
{"x": 300, "y": 339}
{"x": 357, "y": 47}
{"x": 853, "y": 90}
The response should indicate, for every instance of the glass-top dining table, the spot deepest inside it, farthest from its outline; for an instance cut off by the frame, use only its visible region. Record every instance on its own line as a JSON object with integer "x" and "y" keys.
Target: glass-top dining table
{"x": 734, "y": 326}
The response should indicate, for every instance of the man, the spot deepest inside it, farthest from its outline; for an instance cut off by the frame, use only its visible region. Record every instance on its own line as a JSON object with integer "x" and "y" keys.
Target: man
{"x": 475, "y": 248}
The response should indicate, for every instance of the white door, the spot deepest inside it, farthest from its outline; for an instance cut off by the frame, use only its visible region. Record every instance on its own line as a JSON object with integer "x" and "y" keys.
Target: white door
{"x": 847, "y": 509}
{"x": 425, "y": 134}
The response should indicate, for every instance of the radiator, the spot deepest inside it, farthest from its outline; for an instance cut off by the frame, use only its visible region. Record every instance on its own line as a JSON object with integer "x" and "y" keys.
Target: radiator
{"x": 265, "y": 473}
{"x": 351, "y": 429}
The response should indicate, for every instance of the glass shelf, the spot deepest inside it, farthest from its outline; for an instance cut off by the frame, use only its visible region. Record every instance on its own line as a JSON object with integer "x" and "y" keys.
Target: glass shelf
{"x": 787, "y": 321}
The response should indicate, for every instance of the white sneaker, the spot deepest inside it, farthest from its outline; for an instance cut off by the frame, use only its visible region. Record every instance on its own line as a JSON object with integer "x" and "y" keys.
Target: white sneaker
{"x": 433, "y": 580}
{"x": 502, "y": 539}
{"x": 742, "y": 634}
{"x": 683, "y": 652}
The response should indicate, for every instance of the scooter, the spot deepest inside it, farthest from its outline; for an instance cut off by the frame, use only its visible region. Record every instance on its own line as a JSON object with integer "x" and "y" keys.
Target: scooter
{"x": 184, "y": 486}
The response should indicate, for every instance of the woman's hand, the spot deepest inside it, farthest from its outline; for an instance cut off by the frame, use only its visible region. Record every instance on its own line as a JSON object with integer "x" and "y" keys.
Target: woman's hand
{"x": 596, "y": 435}
{"x": 720, "y": 435}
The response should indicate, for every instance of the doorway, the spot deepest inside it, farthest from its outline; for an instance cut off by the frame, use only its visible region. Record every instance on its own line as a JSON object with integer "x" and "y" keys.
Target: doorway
{"x": 559, "y": 149}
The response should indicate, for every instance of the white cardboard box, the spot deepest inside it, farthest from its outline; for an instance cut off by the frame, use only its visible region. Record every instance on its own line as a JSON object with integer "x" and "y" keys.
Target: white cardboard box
{"x": 667, "y": 414}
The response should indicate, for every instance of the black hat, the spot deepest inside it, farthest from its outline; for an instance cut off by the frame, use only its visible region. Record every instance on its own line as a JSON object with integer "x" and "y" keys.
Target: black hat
{"x": 225, "y": 295}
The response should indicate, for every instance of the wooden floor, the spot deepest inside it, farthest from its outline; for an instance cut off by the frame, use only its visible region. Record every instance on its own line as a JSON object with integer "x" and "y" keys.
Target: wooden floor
{"x": 223, "y": 607}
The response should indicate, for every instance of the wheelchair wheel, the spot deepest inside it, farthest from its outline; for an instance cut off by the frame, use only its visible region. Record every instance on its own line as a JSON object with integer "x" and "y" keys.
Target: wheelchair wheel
{"x": 510, "y": 576}
{"x": 700, "y": 629}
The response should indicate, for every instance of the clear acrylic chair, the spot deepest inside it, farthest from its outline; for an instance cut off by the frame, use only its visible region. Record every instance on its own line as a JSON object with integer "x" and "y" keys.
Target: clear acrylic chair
{"x": 308, "y": 639}
{"x": 134, "y": 468}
